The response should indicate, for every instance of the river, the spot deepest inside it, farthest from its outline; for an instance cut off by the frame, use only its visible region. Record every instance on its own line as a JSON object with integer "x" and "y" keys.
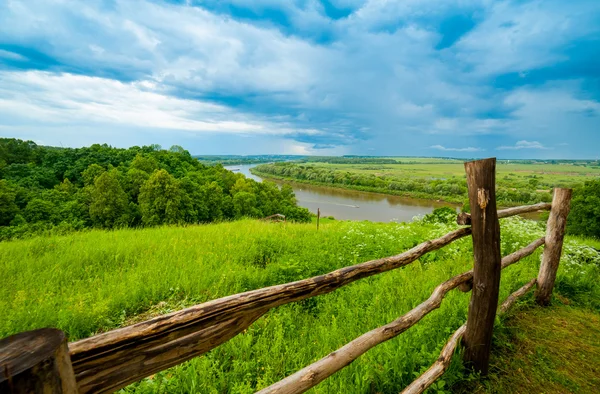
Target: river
{"x": 348, "y": 204}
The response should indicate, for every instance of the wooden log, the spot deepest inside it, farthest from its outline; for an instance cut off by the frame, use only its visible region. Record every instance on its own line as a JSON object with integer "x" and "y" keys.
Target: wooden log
{"x": 510, "y": 300}
{"x": 109, "y": 361}
{"x": 555, "y": 233}
{"x": 315, "y": 373}
{"x": 441, "y": 365}
{"x": 464, "y": 218}
{"x": 36, "y": 362}
{"x": 481, "y": 182}
{"x": 509, "y": 260}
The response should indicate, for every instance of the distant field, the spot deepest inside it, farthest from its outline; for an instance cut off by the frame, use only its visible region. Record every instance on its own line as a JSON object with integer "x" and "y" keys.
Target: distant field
{"x": 549, "y": 175}
{"x": 94, "y": 281}
{"x": 517, "y": 182}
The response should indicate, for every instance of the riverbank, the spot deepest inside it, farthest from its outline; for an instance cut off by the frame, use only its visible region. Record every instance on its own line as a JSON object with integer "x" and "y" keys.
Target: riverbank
{"x": 416, "y": 195}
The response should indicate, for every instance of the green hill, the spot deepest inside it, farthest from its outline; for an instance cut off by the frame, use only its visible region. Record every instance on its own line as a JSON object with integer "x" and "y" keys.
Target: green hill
{"x": 97, "y": 280}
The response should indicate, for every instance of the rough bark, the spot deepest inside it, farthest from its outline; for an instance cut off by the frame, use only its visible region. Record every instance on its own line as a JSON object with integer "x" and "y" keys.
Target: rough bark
{"x": 555, "y": 233}
{"x": 36, "y": 362}
{"x": 315, "y": 373}
{"x": 442, "y": 364}
{"x": 109, "y": 361}
{"x": 464, "y": 218}
{"x": 481, "y": 182}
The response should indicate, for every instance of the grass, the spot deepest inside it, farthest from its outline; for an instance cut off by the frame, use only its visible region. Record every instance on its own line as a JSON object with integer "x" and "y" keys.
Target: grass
{"x": 93, "y": 281}
{"x": 550, "y": 350}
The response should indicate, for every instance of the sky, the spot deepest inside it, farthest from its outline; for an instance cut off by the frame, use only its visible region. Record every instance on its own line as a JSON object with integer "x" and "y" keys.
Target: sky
{"x": 507, "y": 79}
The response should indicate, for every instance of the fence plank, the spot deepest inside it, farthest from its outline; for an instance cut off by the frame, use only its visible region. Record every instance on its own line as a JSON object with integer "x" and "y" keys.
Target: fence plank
{"x": 109, "y": 361}
{"x": 315, "y": 373}
{"x": 465, "y": 218}
{"x": 481, "y": 182}
{"x": 36, "y": 362}
{"x": 555, "y": 233}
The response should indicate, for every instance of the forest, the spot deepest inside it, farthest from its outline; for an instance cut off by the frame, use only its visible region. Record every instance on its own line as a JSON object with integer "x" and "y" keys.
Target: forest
{"x": 64, "y": 189}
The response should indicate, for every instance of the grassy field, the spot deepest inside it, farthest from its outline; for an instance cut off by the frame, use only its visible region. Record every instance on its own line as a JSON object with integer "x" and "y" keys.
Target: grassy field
{"x": 517, "y": 183}
{"x": 94, "y": 281}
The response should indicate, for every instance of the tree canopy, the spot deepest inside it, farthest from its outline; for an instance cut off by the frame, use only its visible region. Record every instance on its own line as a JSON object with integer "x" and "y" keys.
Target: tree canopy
{"x": 101, "y": 186}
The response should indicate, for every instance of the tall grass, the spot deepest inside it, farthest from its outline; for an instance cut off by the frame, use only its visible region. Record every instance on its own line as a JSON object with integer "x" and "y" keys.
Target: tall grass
{"x": 94, "y": 281}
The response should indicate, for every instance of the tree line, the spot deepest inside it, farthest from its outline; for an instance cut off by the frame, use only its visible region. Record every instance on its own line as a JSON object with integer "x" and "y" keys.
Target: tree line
{"x": 453, "y": 189}
{"x": 49, "y": 188}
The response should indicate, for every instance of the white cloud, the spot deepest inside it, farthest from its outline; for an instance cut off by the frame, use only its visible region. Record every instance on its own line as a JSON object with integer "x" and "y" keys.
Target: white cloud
{"x": 468, "y": 149}
{"x": 376, "y": 76}
{"x": 51, "y": 99}
{"x": 524, "y": 145}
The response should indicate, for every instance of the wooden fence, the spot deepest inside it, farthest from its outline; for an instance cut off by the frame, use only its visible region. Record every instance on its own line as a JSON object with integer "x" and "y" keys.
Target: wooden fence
{"x": 40, "y": 360}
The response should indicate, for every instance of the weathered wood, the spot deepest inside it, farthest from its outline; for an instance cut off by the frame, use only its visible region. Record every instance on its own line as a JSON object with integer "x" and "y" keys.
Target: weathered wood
{"x": 36, "y": 362}
{"x": 555, "y": 233}
{"x": 318, "y": 217}
{"x": 510, "y": 300}
{"x": 315, "y": 373}
{"x": 481, "y": 182}
{"x": 508, "y": 260}
{"x": 464, "y": 218}
{"x": 109, "y": 361}
{"x": 440, "y": 366}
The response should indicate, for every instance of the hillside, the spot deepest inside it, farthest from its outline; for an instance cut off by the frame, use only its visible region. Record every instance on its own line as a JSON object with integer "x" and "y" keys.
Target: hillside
{"x": 98, "y": 280}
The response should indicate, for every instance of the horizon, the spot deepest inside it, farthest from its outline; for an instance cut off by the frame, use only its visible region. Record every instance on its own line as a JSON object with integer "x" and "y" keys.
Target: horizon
{"x": 307, "y": 78}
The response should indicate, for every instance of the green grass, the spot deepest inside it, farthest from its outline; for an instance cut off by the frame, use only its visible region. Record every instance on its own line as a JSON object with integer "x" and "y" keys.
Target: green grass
{"x": 94, "y": 281}
{"x": 551, "y": 350}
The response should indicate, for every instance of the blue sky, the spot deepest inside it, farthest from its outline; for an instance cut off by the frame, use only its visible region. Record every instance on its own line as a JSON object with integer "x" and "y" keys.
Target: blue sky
{"x": 511, "y": 79}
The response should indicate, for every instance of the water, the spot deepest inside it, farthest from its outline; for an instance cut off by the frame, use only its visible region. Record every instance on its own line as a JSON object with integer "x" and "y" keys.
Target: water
{"x": 347, "y": 204}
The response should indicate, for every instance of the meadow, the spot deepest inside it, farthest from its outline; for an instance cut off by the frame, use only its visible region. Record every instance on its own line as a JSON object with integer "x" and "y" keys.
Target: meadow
{"x": 518, "y": 182}
{"x": 97, "y": 280}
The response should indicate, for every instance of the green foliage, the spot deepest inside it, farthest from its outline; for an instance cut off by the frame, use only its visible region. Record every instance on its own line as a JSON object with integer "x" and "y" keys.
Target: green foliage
{"x": 441, "y": 215}
{"x": 584, "y": 218}
{"x": 98, "y": 280}
{"x": 108, "y": 201}
{"x": 161, "y": 199}
{"x": 44, "y": 189}
{"x": 8, "y": 207}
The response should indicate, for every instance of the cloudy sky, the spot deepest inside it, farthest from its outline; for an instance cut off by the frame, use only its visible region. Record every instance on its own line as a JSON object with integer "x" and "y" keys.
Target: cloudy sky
{"x": 460, "y": 78}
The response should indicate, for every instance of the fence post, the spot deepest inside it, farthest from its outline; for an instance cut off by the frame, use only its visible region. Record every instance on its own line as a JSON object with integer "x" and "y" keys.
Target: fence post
{"x": 555, "y": 233}
{"x": 481, "y": 182}
{"x": 36, "y": 362}
{"x": 318, "y": 216}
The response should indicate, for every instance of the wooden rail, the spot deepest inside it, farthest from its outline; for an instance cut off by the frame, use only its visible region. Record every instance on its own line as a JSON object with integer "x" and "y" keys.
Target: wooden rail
{"x": 317, "y": 372}
{"x": 112, "y": 360}
{"x": 109, "y": 361}
{"x": 440, "y": 366}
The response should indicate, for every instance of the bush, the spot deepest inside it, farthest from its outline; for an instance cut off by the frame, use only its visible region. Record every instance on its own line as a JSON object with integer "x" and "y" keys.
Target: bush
{"x": 441, "y": 215}
{"x": 584, "y": 218}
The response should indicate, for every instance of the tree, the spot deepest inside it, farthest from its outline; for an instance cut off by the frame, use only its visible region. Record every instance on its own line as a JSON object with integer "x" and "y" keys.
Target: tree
{"x": 8, "y": 207}
{"x": 90, "y": 174}
{"x": 584, "y": 218}
{"x": 108, "y": 206}
{"x": 38, "y": 210}
{"x": 160, "y": 199}
{"x": 244, "y": 204}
